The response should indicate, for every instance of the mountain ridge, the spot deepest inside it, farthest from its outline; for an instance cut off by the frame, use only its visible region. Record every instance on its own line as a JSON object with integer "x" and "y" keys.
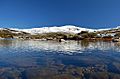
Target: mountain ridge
{"x": 65, "y": 28}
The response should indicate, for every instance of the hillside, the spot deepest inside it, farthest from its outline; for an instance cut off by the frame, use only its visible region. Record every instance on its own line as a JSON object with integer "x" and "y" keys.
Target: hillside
{"x": 10, "y": 33}
{"x": 66, "y": 29}
{"x": 63, "y": 32}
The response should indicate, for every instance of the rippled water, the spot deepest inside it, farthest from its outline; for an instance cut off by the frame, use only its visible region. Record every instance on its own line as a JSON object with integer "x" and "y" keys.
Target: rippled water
{"x": 30, "y": 59}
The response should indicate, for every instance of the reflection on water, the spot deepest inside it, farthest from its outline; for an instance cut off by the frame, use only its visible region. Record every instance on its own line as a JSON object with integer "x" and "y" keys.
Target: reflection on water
{"x": 54, "y": 60}
{"x": 63, "y": 47}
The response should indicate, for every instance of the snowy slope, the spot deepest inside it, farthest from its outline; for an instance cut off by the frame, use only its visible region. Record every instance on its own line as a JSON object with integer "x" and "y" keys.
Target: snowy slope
{"x": 67, "y": 29}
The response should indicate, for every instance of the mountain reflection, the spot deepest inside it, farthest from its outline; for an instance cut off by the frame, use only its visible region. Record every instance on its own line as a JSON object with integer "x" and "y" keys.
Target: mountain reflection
{"x": 60, "y": 47}
{"x": 6, "y": 43}
{"x": 84, "y": 43}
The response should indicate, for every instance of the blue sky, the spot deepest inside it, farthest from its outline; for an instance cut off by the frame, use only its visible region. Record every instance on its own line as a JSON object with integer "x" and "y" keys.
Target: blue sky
{"x": 37, "y": 13}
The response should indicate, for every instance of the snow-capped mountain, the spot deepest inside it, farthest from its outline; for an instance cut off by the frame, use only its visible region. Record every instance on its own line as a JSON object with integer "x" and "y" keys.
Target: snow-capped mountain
{"x": 67, "y": 29}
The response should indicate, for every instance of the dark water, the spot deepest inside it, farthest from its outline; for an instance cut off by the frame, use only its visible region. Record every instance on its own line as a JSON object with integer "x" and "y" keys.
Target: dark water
{"x": 53, "y": 60}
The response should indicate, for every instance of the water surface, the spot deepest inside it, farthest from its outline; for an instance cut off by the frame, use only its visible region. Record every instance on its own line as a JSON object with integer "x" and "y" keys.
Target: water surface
{"x": 30, "y": 59}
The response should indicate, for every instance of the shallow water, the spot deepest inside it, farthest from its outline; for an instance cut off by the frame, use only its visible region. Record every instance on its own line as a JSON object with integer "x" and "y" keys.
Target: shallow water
{"x": 30, "y": 59}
